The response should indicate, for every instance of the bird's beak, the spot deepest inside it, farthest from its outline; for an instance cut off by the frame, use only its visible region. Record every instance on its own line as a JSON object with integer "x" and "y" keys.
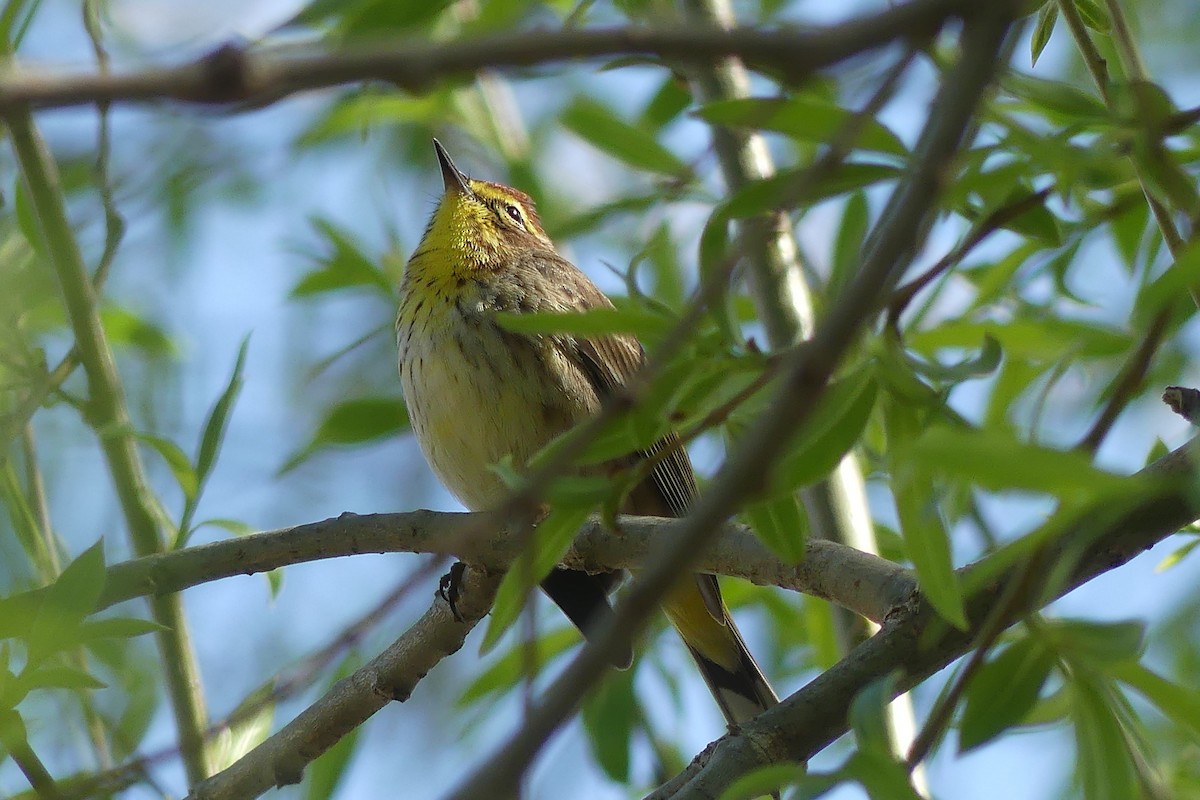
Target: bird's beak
{"x": 452, "y": 179}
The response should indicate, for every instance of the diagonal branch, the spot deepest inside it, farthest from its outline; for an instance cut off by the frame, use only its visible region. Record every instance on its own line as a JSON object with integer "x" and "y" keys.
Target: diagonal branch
{"x": 392, "y": 675}
{"x": 813, "y": 717}
{"x": 800, "y": 387}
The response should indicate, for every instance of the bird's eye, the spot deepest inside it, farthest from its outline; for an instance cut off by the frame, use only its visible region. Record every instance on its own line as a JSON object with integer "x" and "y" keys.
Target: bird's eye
{"x": 514, "y": 214}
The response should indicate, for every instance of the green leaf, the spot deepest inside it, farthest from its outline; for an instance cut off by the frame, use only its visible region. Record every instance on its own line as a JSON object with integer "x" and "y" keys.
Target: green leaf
{"x": 868, "y": 715}
{"x": 672, "y": 97}
{"x": 60, "y": 677}
{"x": 1029, "y": 339}
{"x": 590, "y": 324}
{"x": 610, "y": 713}
{"x": 1058, "y": 101}
{"x": 123, "y": 327}
{"x": 365, "y": 419}
{"x": 1096, "y": 643}
{"x": 509, "y": 669}
{"x": 1127, "y": 231}
{"x": 1094, "y": 16}
{"x": 252, "y": 723}
{"x": 217, "y": 422}
{"x": 211, "y": 437}
{"x": 977, "y": 366}
{"x": 998, "y": 461}
{"x": 832, "y": 431}
{"x": 1003, "y": 691}
{"x": 893, "y": 368}
{"x": 1104, "y": 765}
{"x": 1165, "y": 177}
{"x": 874, "y": 765}
{"x": 177, "y": 460}
{"x": 117, "y": 628}
{"x": 805, "y": 119}
{"x": 1177, "y": 555}
{"x": 345, "y": 266}
{"x": 782, "y": 525}
{"x": 1041, "y": 33}
{"x": 325, "y": 773}
{"x": 796, "y": 187}
{"x": 927, "y": 542}
{"x": 550, "y": 540}
{"x": 600, "y": 127}
{"x": 66, "y": 602}
{"x": 993, "y": 281}
{"x": 234, "y": 526}
{"x": 139, "y": 701}
{"x": 1180, "y": 704}
{"x": 1035, "y": 222}
{"x": 765, "y": 781}
{"x": 848, "y": 245}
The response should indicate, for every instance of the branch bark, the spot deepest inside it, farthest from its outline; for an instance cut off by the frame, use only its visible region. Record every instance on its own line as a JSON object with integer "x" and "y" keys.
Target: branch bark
{"x": 813, "y": 717}
{"x": 236, "y": 75}
{"x": 392, "y": 675}
{"x": 837, "y": 506}
{"x": 864, "y": 583}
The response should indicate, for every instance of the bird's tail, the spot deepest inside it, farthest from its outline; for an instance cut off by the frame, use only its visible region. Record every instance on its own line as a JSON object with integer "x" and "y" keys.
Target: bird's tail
{"x": 584, "y": 599}
{"x": 733, "y": 676}
{"x": 742, "y": 693}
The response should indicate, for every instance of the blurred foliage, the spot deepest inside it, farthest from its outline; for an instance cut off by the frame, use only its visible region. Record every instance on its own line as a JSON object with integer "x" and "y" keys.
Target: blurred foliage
{"x": 1044, "y": 274}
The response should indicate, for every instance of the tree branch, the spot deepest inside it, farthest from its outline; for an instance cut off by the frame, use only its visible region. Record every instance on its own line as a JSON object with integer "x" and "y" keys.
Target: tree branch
{"x": 837, "y": 506}
{"x": 813, "y": 717}
{"x": 864, "y": 583}
{"x": 236, "y": 75}
{"x": 392, "y": 675}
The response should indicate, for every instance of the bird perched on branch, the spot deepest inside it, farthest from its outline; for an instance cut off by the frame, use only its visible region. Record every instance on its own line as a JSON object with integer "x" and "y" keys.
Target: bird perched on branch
{"x": 477, "y": 393}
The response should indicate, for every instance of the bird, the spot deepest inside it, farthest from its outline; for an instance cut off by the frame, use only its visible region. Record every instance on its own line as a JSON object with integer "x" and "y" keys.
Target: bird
{"x": 477, "y": 393}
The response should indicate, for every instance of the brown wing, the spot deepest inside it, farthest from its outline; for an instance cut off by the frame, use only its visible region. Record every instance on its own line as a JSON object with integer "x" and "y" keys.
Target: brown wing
{"x": 694, "y": 606}
{"x": 610, "y": 362}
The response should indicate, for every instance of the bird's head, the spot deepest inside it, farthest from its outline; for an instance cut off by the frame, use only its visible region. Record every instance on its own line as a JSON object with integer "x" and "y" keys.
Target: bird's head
{"x": 477, "y": 224}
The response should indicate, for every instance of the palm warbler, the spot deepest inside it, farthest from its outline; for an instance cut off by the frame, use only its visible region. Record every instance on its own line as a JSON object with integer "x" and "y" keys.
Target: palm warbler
{"x": 476, "y": 393}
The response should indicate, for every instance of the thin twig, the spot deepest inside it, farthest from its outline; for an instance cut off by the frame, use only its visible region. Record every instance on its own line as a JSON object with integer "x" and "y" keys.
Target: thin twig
{"x": 993, "y": 222}
{"x": 114, "y": 223}
{"x": 1129, "y": 379}
{"x": 32, "y": 768}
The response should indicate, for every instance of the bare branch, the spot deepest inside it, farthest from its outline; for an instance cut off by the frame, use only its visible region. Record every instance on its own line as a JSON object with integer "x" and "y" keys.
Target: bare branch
{"x": 392, "y": 675}
{"x": 235, "y": 75}
{"x": 864, "y": 583}
{"x": 813, "y": 717}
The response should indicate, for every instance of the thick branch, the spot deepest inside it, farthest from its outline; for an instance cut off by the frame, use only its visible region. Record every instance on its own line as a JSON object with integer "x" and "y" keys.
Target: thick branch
{"x": 861, "y": 582}
{"x": 235, "y": 75}
{"x": 392, "y": 675}
{"x": 813, "y": 717}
